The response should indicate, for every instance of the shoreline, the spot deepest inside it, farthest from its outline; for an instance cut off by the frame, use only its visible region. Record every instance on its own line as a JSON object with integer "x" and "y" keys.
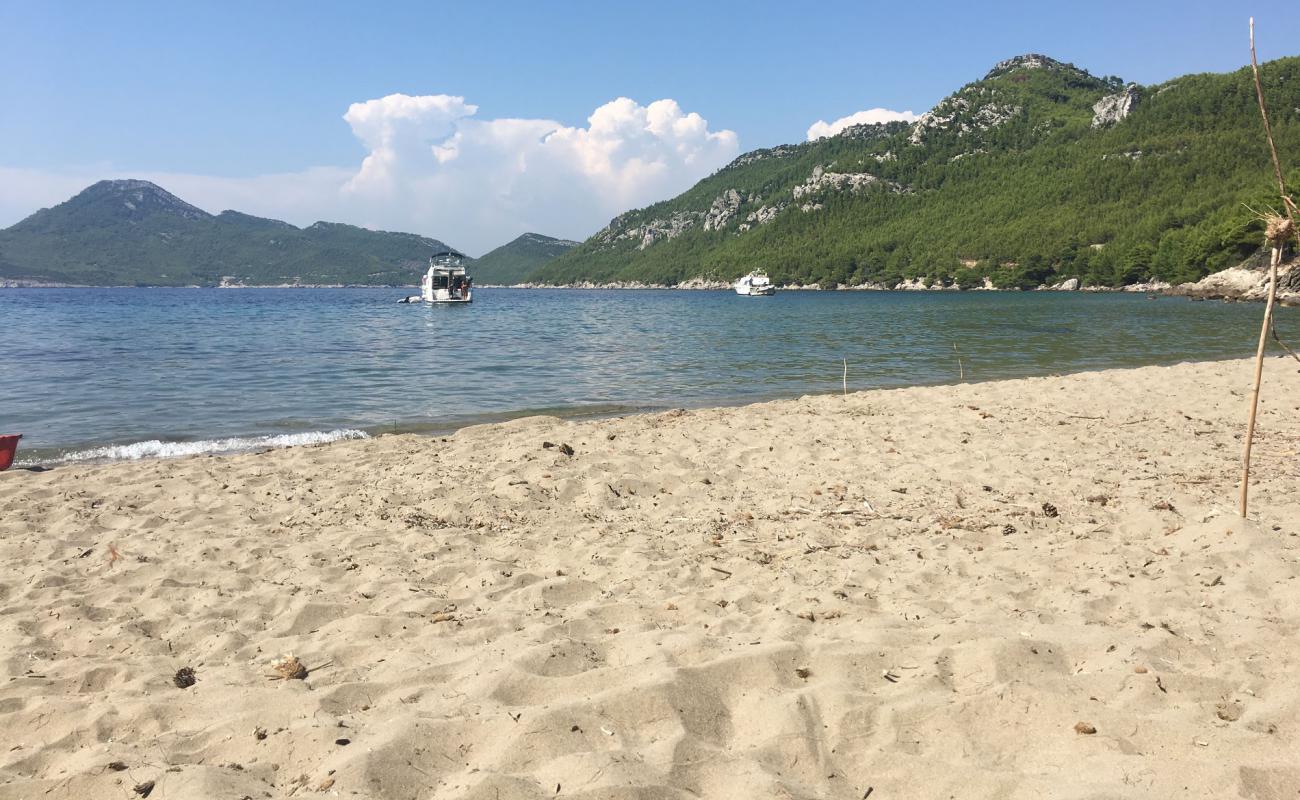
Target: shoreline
{"x": 918, "y": 591}
{"x": 1232, "y": 288}
{"x": 166, "y": 448}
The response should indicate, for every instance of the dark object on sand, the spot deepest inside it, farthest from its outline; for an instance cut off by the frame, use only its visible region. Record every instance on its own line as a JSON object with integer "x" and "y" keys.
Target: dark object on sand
{"x": 144, "y": 789}
{"x": 184, "y": 678}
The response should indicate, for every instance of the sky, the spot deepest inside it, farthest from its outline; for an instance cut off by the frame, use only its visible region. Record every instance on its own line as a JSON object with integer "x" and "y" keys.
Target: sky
{"x": 476, "y": 122}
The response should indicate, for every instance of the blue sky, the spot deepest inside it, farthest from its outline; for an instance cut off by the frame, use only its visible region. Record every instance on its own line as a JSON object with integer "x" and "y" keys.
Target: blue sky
{"x": 241, "y": 91}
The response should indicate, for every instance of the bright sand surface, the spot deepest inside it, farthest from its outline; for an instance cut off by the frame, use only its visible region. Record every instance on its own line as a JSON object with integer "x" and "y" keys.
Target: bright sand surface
{"x": 915, "y": 593}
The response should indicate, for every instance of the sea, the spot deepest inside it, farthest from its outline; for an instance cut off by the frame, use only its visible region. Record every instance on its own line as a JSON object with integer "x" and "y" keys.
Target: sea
{"x": 110, "y": 374}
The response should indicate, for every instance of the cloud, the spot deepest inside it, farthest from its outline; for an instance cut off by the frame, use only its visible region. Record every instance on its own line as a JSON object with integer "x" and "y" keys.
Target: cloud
{"x": 433, "y": 167}
{"x": 400, "y": 132}
{"x": 821, "y": 128}
{"x": 486, "y": 181}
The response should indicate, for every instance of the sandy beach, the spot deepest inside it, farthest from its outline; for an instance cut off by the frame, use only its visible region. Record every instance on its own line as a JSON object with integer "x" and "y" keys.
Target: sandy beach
{"x": 1018, "y": 589}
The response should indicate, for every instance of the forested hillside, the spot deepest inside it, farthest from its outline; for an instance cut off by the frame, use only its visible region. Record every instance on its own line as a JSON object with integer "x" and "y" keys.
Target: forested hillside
{"x": 129, "y": 232}
{"x": 1036, "y": 173}
{"x": 514, "y": 261}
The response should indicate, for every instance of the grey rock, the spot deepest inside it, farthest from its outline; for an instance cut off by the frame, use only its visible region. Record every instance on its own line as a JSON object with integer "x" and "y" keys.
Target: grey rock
{"x": 724, "y": 207}
{"x": 765, "y": 214}
{"x": 822, "y": 181}
{"x": 780, "y": 151}
{"x": 955, "y": 113}
{"x": 1026, "y": 61}
{"x": 1115, "y": 107}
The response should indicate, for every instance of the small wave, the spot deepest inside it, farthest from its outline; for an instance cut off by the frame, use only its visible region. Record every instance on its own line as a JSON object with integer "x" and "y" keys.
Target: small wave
{"x": 155, "y": 448}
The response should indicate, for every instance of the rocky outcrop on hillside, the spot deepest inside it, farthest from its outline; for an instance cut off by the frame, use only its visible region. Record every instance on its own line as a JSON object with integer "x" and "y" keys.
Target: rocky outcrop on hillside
{"x": 723, "y": 209}
{"x": 1028, "y": 61}
{"x": 872, "y": 131}
{"x": 1115, "y": 107}
{"x": 780, "y": 151}
{"x": 964, "y": 114}
{"x": 762, "y": 216}
{"x": 660, "y": 229}
{"x": 646, "y": 234}
{"x": 822, "y": 180}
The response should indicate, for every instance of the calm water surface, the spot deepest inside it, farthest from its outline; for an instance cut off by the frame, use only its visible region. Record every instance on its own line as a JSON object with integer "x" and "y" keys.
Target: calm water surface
{"x": 83, "y": 368}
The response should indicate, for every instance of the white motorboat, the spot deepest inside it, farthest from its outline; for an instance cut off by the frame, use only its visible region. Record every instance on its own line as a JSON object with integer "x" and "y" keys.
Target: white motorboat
{"x": 446, "y": 281}
{"x": 755, "y": 284}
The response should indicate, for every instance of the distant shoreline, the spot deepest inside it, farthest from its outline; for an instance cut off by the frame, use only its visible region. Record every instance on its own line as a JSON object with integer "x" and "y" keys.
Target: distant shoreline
{"x": 1228, "y": 291}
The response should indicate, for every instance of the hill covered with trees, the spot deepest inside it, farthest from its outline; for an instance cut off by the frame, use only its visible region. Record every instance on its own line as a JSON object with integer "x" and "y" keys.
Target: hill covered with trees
{"x": 130, "y": 232}
{"x": 1036, "y": 173}
{"x": 514, "y": 261}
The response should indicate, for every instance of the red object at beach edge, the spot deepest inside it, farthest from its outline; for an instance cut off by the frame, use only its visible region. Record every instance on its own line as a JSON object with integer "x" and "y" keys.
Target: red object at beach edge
{"x": 8, "y": 446}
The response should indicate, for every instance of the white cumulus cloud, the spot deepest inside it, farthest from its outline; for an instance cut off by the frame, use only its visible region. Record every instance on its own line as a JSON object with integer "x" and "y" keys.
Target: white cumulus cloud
{"x": 435, "y": 164}
{"x": 821, "y": 128}
{"x": 432, "y": 166}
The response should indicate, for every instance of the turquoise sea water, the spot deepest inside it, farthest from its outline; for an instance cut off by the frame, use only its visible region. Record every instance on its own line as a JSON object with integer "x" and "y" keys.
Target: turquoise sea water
{"x": 97, "y": 372}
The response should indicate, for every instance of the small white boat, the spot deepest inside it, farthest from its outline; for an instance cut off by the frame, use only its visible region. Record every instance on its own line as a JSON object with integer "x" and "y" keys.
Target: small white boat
{"x": 445, "y": 282}
{"x": 755, "y": 284}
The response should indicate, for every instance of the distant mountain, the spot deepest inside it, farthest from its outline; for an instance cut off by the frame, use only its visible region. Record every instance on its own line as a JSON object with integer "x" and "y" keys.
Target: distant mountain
{"x": 514, "y": 262}
{"x": 131, "y": 232}
{"x": 1036, "y": 173}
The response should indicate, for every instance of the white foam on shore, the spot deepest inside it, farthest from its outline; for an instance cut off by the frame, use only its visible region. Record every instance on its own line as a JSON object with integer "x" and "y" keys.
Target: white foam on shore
{"x": 155, "y": 448}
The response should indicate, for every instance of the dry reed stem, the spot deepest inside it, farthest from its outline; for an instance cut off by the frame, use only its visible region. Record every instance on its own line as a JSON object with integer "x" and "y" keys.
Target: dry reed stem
{"x": 1277, "y": 231}
{"x": 1259, "y": 374}
{"x": 1287, "y": 202}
